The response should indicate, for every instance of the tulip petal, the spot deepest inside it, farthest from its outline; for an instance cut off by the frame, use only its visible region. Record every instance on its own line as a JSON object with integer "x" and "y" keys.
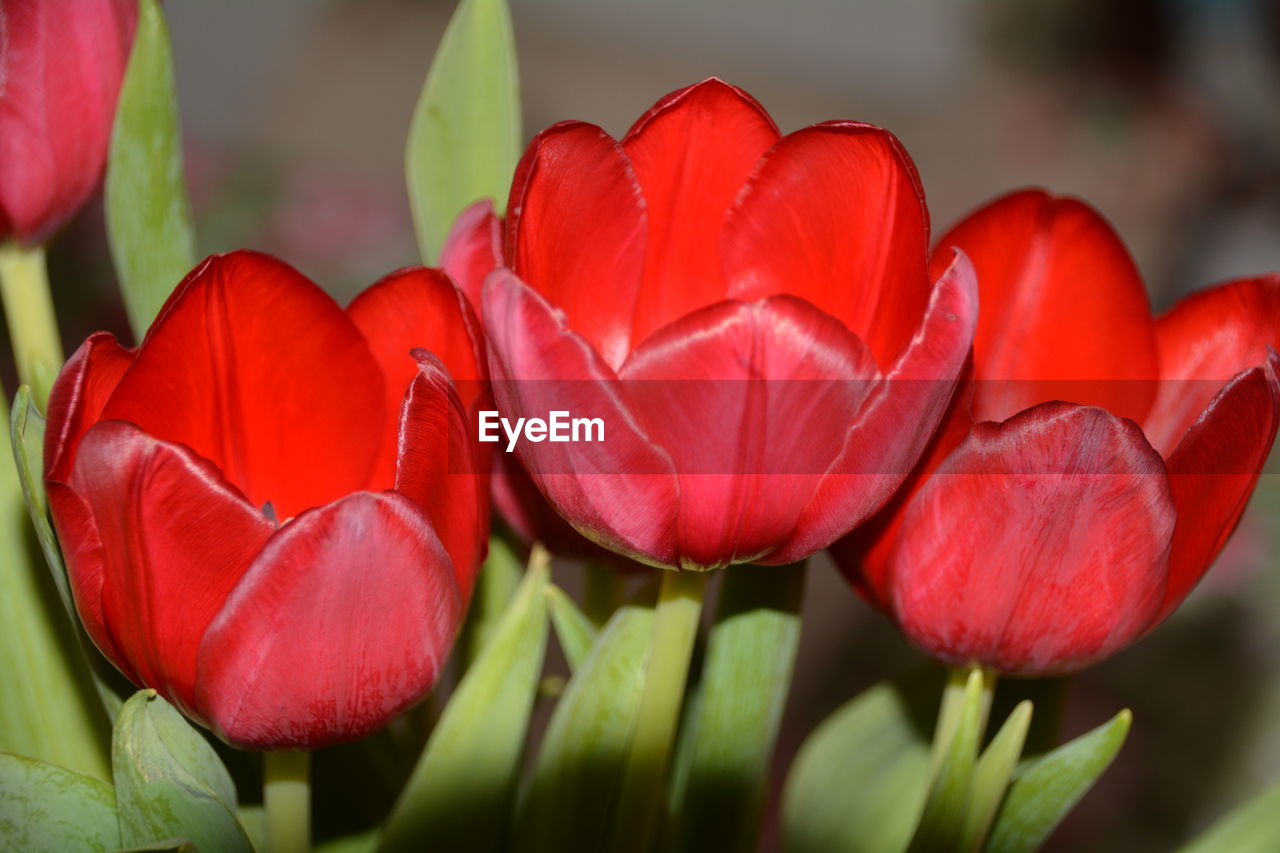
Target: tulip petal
{"x": 1213, "y": 472}
{"x": 157, "y": 542}
{"x": 576, "y": 232}
{"x": 620, "y": 492}
{"x": 343, "y": 621}
{"x": 1205, "y": 340}
{"x": 232, "y": 368}
{"x": 835, "y": 214}
{"x": 692, "y": 153}
{"x": 1039, "y": 546}
{"x": 80, "y": 393}
{"x": 418, "y": 308}
{"x": 1064, "y": 311}
{"x": 896, "y": 423}
{"x": 440, "y": 467}
{"x": 60, "y": 73}
{"x": 473, "y": 249}
{"x": 753, "y": 402}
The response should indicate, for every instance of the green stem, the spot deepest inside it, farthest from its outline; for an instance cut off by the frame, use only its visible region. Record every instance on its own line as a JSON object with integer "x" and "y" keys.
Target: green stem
{"x": 33, "y": 327}
{"x": 286, "y": 800}
{"x": 675, "y": 628}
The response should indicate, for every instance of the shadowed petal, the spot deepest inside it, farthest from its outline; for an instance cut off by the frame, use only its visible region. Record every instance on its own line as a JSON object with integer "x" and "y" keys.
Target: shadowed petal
{"x": 343, "y": 621}
{"x": 1039, "y": 546}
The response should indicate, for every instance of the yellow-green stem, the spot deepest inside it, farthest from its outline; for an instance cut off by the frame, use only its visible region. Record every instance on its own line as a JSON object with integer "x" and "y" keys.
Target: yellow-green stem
{"x": 286, "y": 800}
{"x": 675, "y": 628}
{"x": 28, "y": 309}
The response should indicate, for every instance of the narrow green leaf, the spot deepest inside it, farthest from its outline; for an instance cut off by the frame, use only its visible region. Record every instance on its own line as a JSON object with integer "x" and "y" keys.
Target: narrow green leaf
{"x": 148, "y": 215}
{"x": 168, "y": 845}
{"x": 460, "y": 793}
{"x": 27, "y": 434}
{"x": 169, "y": 782}
{"x": 722, "y": 764}
{"x": 941, "y": 826}
{"x": 991, "y": 775}
{"x": 48, "y": 809}
{"x": 1253, "y": 827}
{"x": 465, "y": 138}
{"x": 1046, "y": 789}
{"x": 858, "y": 783}
{"x": 364, "y": 842}
{"x": 571, "y": 796}
{"x": 495, "y": 588}
{"x": 50, "y": 711}
{"x": 577, "y": 634}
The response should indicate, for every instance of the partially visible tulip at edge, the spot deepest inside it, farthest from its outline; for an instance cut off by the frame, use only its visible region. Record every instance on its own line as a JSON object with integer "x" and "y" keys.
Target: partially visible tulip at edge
{"x": 271, "y": 512}
{"x": 750, "y": 314}
{"x": 1041, "y": 536}
{"x": 60, "y": 71}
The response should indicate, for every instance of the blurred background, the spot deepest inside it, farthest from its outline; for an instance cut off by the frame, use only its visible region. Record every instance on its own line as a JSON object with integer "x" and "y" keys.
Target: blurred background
{"x": 1165, "y": 114}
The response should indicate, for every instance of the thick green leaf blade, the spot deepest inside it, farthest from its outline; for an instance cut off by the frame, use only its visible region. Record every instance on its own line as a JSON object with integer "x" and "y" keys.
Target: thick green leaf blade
{"x": 570, "y": 800}
{"x": 465, "y": 138}
{"x": 991, "y": 775}
{"x": 170, "y": 784}
{"x": 48, "y": 809}
{"x": 148, "y": 214}
{"x": 577, "y": 633}
{"x": 722, "y": 764}
{"x": 942, "y": 823}
{"x": 50, "y": 710}
{"x": 1046, "y": 789}
{"x": 460, "y": 794}
{"x": 859, "y": 782}
{"x": 1251, "y": 828}
{"x": 495, "y": 588}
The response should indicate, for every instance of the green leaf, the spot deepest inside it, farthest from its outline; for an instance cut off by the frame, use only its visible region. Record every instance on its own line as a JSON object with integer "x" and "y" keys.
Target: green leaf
{"x": 148, "y": 215}
{"x": 991, "y": 776}
{"x": 48, "y": 808}
{"x": 50, "y": 711}
{"x": 577, "y": 634}
{"x": 1046, "y": 789}
{"x": 169, "y": 781}
{"x": 571, "y": 796}
{"x": 858, "y": 783}
{"x": 495, "y": 587}
{"x": 168, "y": 845}
{"x": 942, "y": 823}
{"x": 1251, "y": 828}
{"x": 722, "y": 763}
{"x": 460, "y": 793}
{"x": 364, "y": 842}
{"x": 465, "y": 138}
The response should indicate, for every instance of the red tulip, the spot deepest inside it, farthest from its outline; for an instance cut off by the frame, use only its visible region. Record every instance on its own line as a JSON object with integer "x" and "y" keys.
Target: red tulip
{"x": 750, "y": 315}
{"x": 270, "y": 512}
{"x": 1052, "y": 534}
{"x": 61, "y": 62}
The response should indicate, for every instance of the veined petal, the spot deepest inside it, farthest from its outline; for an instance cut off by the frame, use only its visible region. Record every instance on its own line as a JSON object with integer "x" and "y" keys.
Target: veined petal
{"x": 473, "y": 249}
{"x": 231, "y": 369}
{"x": 1064, "y": 311}
{"x": 895, "y": 424}
{"x": 418, "y": 308}
{"x": 835, "y": 214}
{"x": 753, "y": 402}
{"x": 1039, "y": 546}
{"x": 620, "y": 492}
{"x": 297, "y": 660}
{"x": 692, "y": 153}
{"x": 169, "y": 539}
{"x": 576, "y": 232}
{"x": 80, "y": 393}
{"x": 440, "y": 466}
{"x": 1214, "y": 469}
{"x": 1205, "y": 340}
